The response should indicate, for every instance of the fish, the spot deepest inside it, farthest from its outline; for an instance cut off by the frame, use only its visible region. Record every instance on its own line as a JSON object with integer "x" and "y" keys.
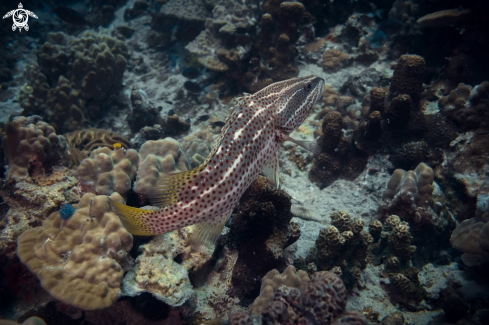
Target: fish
{"x": 386, "y": 29}
{"x": 247, "y": 146}
{"x": 69, "y": 16}
{"x": 367, "y": 8}
{"x": 117, "y": 146}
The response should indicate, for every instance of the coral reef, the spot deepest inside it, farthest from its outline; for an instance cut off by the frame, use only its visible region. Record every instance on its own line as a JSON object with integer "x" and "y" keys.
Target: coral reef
{"x": 30, "y": 144}
{"x": 259, "y": 232}
{"x": 157, "y": 158}
{"x": 339, "y": 158}
{"x": 87, "y": 140}
{"x": 395, "y": 123}
{"x": 80, "y": 260}
{"x": 341, "y": 248}
{"x": 107, "y": 171}
{"x": 296, "y": 298}
{"x": 81, "y": 73}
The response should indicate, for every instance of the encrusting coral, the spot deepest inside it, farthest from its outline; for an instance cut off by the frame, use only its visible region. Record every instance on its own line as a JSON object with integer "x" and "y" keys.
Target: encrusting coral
{"x": 107, "y": 171}
{"x": 295, "y": 298}
{"x": 79, "y": 261}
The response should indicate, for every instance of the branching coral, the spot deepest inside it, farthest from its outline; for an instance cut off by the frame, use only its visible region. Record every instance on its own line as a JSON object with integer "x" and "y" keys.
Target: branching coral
{"x": 79, "y": 261}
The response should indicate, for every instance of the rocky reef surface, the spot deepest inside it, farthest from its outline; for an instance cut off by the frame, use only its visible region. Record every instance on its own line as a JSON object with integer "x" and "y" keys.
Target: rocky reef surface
{"x": 387, "y": 222}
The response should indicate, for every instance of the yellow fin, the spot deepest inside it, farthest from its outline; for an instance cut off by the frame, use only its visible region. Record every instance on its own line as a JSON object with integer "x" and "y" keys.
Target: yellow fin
{"x": 169, "y": 186}
{"x": 133, "y": 219}
{"x": 207, "y": 232}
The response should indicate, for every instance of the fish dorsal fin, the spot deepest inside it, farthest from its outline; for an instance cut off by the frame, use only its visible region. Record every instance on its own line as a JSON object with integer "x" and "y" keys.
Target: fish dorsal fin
{"x": 311, "y": 146}
{"x": 167, "y": 190}
{"x": 207, "y": 232}
{"x": 271, "y": 171}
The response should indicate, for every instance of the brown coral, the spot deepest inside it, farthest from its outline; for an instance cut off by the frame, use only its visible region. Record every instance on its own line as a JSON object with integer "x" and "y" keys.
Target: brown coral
{"x": 79, "y": 260}
{"x": 334, "y": 60}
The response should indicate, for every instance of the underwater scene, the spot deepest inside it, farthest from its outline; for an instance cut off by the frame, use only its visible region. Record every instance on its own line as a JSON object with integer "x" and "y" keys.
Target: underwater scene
{"x": 244, "y": 162}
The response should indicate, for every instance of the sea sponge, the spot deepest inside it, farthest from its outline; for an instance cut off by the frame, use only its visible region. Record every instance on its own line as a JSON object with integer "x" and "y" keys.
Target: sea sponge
{"x": 31, "y": 145}
{"x": 79, "y": 261}
{"x": 157, "y": 158}
{"x": 107, "y": 171}
{"x": 408, "y": 77}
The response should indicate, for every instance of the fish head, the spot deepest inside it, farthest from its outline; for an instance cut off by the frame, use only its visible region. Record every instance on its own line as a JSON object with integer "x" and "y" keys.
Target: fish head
{"x": 296, "y": 101}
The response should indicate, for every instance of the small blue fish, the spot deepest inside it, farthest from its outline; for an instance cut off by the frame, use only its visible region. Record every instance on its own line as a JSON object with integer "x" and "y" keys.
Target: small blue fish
{"x": 387, "y": 29}
{"x": 67, "y": 211}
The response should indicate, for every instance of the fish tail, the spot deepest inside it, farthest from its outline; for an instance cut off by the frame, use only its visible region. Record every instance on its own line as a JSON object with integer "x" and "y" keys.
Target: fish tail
{"x": 133, "y": 219}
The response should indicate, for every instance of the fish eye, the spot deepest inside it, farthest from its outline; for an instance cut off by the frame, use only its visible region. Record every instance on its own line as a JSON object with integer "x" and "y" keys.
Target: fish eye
{"x": 308, "y": 87}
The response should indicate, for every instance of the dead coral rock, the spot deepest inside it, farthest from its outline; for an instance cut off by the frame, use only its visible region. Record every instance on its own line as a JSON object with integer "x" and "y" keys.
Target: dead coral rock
{"x": 260, "y": 231}
{"x": 334, "y": 60}
{"x": 31, "y": 146}
{"x": 107, "y": 171}
{"x": 142, "y": 113}
{"x": 73, "y": 266}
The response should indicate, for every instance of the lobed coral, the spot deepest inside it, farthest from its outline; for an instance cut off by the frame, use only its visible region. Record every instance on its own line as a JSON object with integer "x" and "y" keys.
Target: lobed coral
{"x": 157, "y": 158}
{"x": 396, "y": 125}
{"x": 31, "y": 145}
{"x": 81, "y": 72}
{"x": 87, "y": 140}
{"x": 79, "y": 261}
{"x": 334, "y": 59}
{"x": 338, "y": 158}
{"x": 410, "y": 195}
{"x": 341, "y": 248}
{"x": 107, "y": 171}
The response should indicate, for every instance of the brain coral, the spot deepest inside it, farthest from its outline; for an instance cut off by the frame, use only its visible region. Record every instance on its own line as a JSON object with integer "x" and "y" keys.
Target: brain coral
{"x": 107, "y": 171}
{"x": 79, "y": 261}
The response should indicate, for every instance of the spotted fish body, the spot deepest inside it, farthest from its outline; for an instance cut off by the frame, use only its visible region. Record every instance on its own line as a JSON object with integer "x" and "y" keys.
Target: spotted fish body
{"x": 247, "y": 145}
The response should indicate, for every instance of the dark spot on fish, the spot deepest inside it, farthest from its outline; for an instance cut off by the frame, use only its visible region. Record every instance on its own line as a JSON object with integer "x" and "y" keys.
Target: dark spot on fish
{"x": 69, "y": 16}
{"x": 218, "y": 124}
{"x": 171, "y": 112}
{"x": 203, "y": 118}
{"x": 192, "y": 87}
{"x": 191, "y": 73}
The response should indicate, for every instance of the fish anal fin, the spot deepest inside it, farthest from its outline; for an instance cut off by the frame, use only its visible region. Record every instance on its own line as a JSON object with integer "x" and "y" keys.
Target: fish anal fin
{"x": 271, "y": 171}
{"x": 169, "y": 187}
{"x": 134, "y": 219}
{"x": 207, "y": 232}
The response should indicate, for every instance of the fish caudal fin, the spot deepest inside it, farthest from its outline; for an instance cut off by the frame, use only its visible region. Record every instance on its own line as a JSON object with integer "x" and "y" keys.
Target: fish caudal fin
{"x": 133, "y": 219}
{"x": 207, "y": 232}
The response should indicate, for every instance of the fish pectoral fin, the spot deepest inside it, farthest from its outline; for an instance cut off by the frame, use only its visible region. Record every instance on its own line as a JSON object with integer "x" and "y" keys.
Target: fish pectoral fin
{"x": 271, "y": 171}
{"x": 133, "y": 219}
{"x": 311, "y": 146}
{"x": 167, "y": 190}
{"x": 207, "y": 232}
